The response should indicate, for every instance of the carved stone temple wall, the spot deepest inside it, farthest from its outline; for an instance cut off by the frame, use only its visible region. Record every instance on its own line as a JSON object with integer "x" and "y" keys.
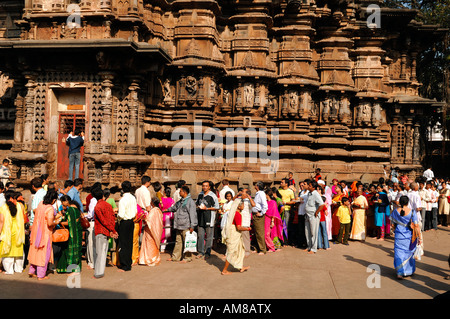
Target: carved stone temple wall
{"x": 343, "y": 96}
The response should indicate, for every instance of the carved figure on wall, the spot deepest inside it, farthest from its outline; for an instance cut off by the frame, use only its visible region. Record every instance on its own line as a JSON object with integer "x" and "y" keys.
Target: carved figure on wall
{"x": 364, "y": 112}
{"x": 326, "y": 110}
{"x": 334, "y": 107}
{"x": 273, "y": 105}
{"x": 191, "y": 86}
{"x": 344, "y": 110}
{"x": 226, "y": 97}
{"x": 167, "y": 91}
{"x": 249, "y": 95}
{"x": 293, "y": 103}
{"x": 376, "y": 114}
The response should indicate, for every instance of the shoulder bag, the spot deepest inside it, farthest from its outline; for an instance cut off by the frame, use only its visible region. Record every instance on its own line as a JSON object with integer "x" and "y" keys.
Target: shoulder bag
{"x": 60, "y": 235}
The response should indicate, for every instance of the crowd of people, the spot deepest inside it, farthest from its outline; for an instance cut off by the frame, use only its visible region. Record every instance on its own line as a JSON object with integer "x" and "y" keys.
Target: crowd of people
{"x": 56, "y": 230}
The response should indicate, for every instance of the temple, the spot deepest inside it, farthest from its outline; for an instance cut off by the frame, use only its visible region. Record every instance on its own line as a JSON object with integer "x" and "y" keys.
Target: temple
{"x": 337, "y": 81}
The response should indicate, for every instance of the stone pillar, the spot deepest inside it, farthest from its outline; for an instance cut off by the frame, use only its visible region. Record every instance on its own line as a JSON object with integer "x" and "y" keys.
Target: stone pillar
{"x": 107, "y": 102}
{"x": 409, "y": 140}
{"x": 413, "y": 66}
{"x": 20, "y": 104}
{"x": 29, "y": 107}
{"x": 134, "y": 108}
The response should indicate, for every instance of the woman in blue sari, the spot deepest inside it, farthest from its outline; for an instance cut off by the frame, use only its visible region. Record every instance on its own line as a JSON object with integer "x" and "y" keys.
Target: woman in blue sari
{"x": 382, "y": 211}
{"x": 407, "y": 237}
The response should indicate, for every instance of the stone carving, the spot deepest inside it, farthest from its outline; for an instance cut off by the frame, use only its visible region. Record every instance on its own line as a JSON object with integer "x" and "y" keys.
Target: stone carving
{"x": 376, "y": 114}
{"x": 167, "y": 91}
{"x": 293, "y": 103}
{"x": 249, "y": 95}
{"x": 416, "y": 145}
{"x": 334, "y": 108}
{"x": 364, "y": 113}
{"x": 326, "y": 110}
{"x": 191, "y": 86}
{"x": 272, "y": 109}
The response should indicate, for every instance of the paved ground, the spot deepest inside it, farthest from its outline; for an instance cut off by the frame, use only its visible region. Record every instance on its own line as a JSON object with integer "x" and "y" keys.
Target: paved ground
{"x": 340, "y": 273}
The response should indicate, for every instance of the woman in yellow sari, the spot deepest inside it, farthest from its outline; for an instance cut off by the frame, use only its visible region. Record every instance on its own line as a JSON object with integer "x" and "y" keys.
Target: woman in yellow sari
{"x": 151, "y": 240}
{"x": 360, "y": 205}
{"x": 12, "y": 234}
{"x": 232, "y": 236}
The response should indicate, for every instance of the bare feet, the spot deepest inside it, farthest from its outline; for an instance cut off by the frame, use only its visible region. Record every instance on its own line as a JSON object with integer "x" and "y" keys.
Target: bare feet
{"x": 226, "y": 272}
{"x": 43, "y": 278}
{"x": 311, "y": 252}
{"x": 244, "y": 269}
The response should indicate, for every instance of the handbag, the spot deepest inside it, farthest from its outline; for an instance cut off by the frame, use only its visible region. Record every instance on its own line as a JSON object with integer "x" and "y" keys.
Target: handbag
{"x": 60, "y": 235}
{"x": 84, "y": 222}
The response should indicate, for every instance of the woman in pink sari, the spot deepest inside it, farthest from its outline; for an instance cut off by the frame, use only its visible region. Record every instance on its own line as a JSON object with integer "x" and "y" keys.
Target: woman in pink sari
{"x": 273, "y": 224}
{"x": 166, "y": 203}
{"x": 40, "y": 252}
{"x": 151, "y": 240}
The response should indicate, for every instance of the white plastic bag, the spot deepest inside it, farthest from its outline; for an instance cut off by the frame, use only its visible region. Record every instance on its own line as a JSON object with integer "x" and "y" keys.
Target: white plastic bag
{"x": 190, "y": 242}
{"x": 419, "y": 252}
{"x": 223, "y": 222}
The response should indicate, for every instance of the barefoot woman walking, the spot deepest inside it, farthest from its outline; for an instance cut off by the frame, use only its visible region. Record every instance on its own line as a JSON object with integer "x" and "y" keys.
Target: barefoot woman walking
{"x": 231, "y": 235}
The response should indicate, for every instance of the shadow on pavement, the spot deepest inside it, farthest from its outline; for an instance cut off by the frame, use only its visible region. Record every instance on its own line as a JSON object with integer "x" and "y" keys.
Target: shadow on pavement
{"x": 410, "y": 282}
{"x": 41, "y": 290}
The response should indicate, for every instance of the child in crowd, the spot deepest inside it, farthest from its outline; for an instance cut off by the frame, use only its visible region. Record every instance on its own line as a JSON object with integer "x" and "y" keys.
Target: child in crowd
{"x": 344, "y": 215}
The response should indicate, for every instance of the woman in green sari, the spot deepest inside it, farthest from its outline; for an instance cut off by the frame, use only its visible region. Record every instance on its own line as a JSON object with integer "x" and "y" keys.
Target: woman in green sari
{"x": 70, "y": 260}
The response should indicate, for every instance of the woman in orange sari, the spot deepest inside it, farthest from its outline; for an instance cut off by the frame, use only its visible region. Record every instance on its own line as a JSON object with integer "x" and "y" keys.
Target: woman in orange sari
{"x": 40, "y": 252}
{"x": 335, "y": 203}
{"x": 151, "y": 240}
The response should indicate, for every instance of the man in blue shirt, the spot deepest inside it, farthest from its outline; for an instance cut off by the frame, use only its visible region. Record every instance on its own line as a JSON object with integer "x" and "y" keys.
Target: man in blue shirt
{"x": 313, "y": 206}
{"x": 39, "y": 193}
{"x": 74, "y": 192}
{"x": 75, "y": 142}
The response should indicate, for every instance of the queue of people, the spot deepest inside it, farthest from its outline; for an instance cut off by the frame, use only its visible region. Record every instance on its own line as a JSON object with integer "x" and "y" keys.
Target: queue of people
{"x": 58, "y": 230}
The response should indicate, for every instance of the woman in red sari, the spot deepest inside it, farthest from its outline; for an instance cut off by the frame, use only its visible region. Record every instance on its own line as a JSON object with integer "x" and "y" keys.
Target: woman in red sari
{"x": 151, "y": 240}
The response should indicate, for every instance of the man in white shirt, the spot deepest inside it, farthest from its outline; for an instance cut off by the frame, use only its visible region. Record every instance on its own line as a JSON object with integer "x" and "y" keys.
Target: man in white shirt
{"x": 143, "y": 197}
{"x": 259, "y": 211}
{"x": 303, "y": 197}
{"x": 428, "y": 174}
{"x": 126, "y": 214}
{"x": 226, "y": 188}
{"x": 415, "y": 202}
{"x": 176, "y": 195}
